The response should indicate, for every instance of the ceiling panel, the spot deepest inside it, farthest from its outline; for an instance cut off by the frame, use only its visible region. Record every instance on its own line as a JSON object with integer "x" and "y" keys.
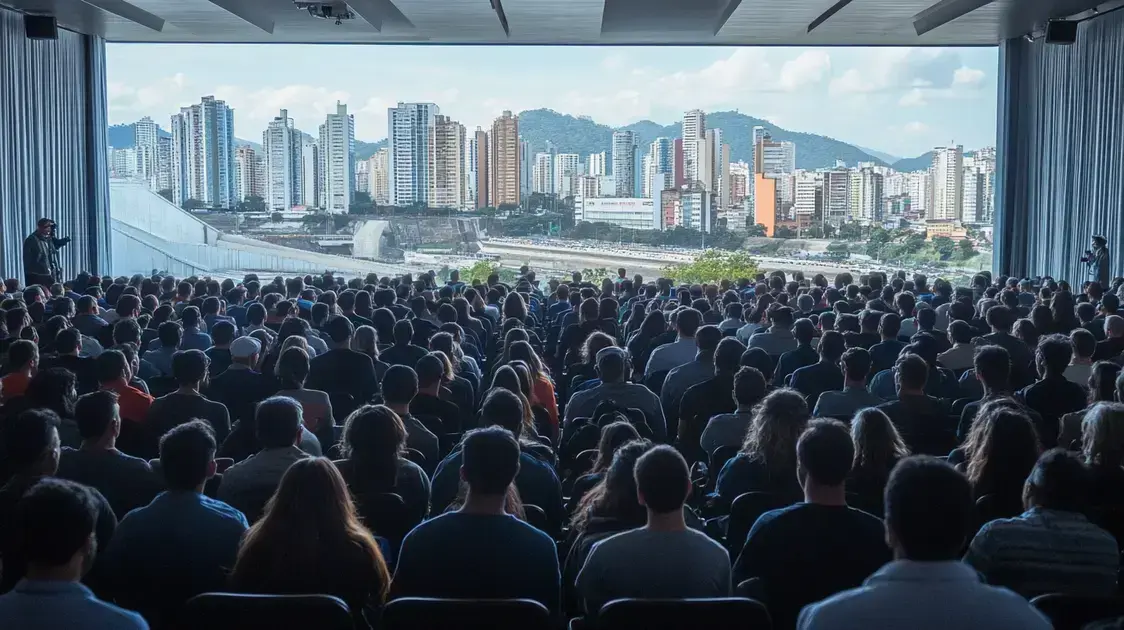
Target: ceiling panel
{"x": 760, "y": 22}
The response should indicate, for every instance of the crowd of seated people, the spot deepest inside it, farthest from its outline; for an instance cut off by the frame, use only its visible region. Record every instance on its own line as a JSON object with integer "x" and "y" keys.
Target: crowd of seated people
{"x": 881, "y": 451}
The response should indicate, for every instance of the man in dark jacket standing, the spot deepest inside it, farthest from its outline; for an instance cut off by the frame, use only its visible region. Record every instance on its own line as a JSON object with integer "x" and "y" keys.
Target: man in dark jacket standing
{"x": 41, "y": 255}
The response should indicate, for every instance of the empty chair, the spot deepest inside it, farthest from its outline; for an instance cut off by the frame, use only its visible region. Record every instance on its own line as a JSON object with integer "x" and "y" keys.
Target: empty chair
{"x": 745, "y": 511}
{"x": 430, "y": 613}
{"x": 236, "y": 611}
{"x": 725, "y": 613}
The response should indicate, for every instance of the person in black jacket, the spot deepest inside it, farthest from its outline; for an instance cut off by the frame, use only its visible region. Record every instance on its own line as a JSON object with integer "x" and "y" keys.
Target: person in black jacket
{"x": 341, "y": 369}
{"x": 41, "y": 254}
{"x": 824, "y": 376}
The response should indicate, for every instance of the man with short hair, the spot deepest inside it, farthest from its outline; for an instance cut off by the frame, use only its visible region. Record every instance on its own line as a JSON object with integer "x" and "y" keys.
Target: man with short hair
{"x": 218, "y": 355}
{"x": 1113, "y": 346}
{"x": 804, "y": 331}
{"x": 709, "y": 398}
{"x": 249, "y": 484}
{"x": 31, "y": 446}
{"x": 400, "y": 387}
{"x": 663, "y": 559}
{"x": 23, "y": 363}
{"x": 929, "y": 515}
{"x": 823, "y": 376}
{"x": 1052, "y": 547}
{"x": 1081, "y": 365}
{"x": 55, "y": 523}
{"x": 921, "y": 419}
{"x": 189, "y": 368}
{"x": 1001, "y": 319}
{"x": 403, "y": 352}
{"x": 88, "y": 319}
{"x": 1053, "y": 395}
{"x": 114, "y": 375}
{"x": 854, "y": 396}
{"x": 162, "y": 348}
{"x": 729, "y": 429}
{"x": 962, "y": 353}
{"x": 68, "y": 350}
{"x": 193, "y": 338}
{"x": 885, "y": 353}
{"x": 479, "y": 551}
{"x": 341, "y": 369}
{"x": 182, "y": 543}
{"x": 126, "y": 482}
{"x": 613, "y": 368}
{"x": 682, "y": 350}
{"x": 811, "y": 550}
{"x": 683, "y": 377}
{"x": 428, "y": 404}
{"x": 778, "y": 339}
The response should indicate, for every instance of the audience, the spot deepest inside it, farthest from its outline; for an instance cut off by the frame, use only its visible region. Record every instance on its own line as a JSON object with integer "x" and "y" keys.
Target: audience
{"x": 878, "y": 448}
{"x": 929, "y": 516}
{"x": 1053, "y": 395}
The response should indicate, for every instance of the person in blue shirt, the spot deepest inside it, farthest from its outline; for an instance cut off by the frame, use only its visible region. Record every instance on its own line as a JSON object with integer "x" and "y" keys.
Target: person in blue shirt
{"x": 181, "y": 544}
{"x": 193, "y": 337}
{"x": 479, "y": 550}
{"x": 55, "y": 528}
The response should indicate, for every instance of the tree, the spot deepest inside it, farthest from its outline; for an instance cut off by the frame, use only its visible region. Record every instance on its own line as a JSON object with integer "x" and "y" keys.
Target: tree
{"x": 361, "y": 204}
{"x": 838, "y": 251}
{"x": 757, "y": 229}
{"x": 276, "y": 217}
{"x": 850, "y": 231}
{"x": 253, "y": 203}
{"x": 192, "y": 204}
{"x": 712, "y": 266}
{"x": 784, "y": 232}
{"x": 944, "y": 246}
{"x": 166, "y": 193}
{"x": 967, "y": 249}
{"x": 813, "y": 232}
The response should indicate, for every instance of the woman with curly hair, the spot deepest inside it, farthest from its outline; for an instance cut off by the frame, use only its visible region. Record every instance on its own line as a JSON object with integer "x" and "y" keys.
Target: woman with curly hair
{"x": 1102, "y": 444}
{"x": 310, "y": 540}
{"x": 767, "y": 461}
{"x": 878, "y": 448}
{"x": 585, "y": 372}
{"x": 1000, "y": 452}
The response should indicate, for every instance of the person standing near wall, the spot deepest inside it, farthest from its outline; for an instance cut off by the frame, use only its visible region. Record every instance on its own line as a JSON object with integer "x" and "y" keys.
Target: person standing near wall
{"x": 1098, "y": 261}
{"x": 41, "y": 255}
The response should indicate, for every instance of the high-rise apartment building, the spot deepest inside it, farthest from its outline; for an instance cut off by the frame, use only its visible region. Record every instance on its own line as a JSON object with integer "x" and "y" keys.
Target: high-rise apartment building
{"x": 337, "y": 161}
{"x": 596, "y": 164}
{"x": 566, "y": 167}
{"x": 836, "y": 196}
{"x": 972, "y": 204}
{"x": 470, "y": 158}
{"x": 282, "y": 145}
{"x": 447, "y": 156}
{"x": 504, "y": 156}
{"x": 163, "y": 163}
{"x": 249, "y": 173}
{"x": 483, "y": 177}
{"x": 659, "y": 161}
{"x": 947, "y": 192}
{"x": 588, "y": 186}
{"x": 203, "y": 154}
{"x": 148, "y": 161}
{"x": 624, "y": 163}
{"x": 363, "y": 176}
{"x": 919, "y": 189}
{"x": 410, "y": 128}
{"x": 694, "y": 129}
{"x": 378, "y": 176}
{"x": 866, "y": 195}
{"x": 526, "y": 161}
{"x": 310, "y": 173}
{"x": 542, "y": 179}
{"x": 809, "y": 195}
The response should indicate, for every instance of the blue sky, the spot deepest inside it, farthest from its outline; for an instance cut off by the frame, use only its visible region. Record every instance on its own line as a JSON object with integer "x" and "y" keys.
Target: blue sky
{"x": 902, "y": 101}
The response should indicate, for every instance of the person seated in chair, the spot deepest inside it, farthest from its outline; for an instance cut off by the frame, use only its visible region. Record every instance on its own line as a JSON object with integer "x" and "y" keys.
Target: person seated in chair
{"x": 855, "y": 396}
{"x": 613, "y": 367}
{"x": 249, "y": 484}
{"x": 929, "y": 515}
{"x": 663, "y": 559}
{"x": 1052, "y": 547}
{"x": 480, "y": 551}
{"x": 55, "y": 531}
{"x": 811, "y": 550}
{"x": 824, "y": 376}
{"x": 921, "y": 419}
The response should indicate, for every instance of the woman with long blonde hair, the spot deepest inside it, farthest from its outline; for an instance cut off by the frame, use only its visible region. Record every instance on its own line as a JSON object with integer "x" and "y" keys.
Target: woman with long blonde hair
{"x": 878, "y": 448}
{"x": 767, "y": 461}
{"x": 310, "y": 541}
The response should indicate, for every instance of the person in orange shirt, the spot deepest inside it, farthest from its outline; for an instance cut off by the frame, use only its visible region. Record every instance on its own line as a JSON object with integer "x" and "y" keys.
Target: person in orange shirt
{"x": 542, "y": 388}
{"x": 113, "y": 375}
{"x": 23, "y": 357}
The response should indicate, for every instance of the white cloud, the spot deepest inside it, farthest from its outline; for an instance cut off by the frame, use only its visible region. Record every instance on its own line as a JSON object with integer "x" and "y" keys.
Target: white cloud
{"x": 808, "y": 69}
{"x": 162, "y": 94}
{"x": 916, "y": 127}
{"x": 852, "y": 81}
{"x": 965, "y": 76}
{"x": 913, "y": 98}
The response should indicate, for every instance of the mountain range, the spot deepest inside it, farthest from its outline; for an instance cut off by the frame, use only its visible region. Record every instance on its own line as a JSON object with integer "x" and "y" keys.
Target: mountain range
{"x": 581, "y": 135}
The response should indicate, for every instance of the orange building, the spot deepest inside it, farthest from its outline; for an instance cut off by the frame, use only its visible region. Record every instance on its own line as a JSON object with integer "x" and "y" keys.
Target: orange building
{"x": 765, "y": 202}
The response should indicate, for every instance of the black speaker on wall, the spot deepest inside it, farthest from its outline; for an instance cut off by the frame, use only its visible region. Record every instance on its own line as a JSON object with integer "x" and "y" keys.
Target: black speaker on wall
{"x": 40, "y": 27}
{"x": 1061, "y": 32}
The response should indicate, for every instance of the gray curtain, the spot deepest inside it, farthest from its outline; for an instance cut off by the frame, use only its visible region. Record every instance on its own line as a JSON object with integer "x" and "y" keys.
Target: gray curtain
{"x": 1060, "y": 170}
{"x": 52, "y": 145}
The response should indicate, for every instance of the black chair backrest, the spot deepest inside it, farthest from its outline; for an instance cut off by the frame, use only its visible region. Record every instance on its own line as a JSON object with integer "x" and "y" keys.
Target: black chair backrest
{"x": 427, "y": 613}
{"x": 1074, "y": 612}
{"x": 990, "y": 507}
{"x": 718, "y": 459}
{"x": 236, "y": 611}
{"x": 536, "y": 517}
{"x": 655, "y": 380}
{"x": 386, "y": 515}
{"x": 724, "y": 613}
{"x": 744, "y": 512}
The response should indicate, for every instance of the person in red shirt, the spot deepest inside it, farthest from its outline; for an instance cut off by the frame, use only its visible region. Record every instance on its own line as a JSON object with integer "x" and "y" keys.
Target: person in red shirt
{"x": 113, "y": 375}
{"x": 23, "y": 357}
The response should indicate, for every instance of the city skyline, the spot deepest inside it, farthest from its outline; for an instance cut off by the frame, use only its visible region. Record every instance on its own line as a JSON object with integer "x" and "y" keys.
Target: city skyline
{"x": 900, "y": 101}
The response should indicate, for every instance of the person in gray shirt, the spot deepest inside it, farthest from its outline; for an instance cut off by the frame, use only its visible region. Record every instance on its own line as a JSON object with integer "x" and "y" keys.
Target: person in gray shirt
{"x": 682, "y": 350}
{"x": 855, "y": 396}
{"x": 729, "y": 429}
{"x": 613, "y": 368}
{"x": 247, "y": 485}
{"x": 681, "y": 378}
{"x": 778, "y": 339}
{"x": 663, "y": 559}
{"x": 399, "y": 387}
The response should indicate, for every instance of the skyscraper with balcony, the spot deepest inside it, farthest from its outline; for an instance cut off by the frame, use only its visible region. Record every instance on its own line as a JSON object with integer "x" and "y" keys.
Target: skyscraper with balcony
{"x": 203, "y": 154}
{"x": 526, "y": 160}
{"x": 148, "y": 159}
{"x": 660, "y": 161}
{"x": 624, "y": 163}
{"x": 543, "y": 174}
{"x": 337, "y": 161}
{"x": 566, "y": 166}
{"x": 836, "y": 196}
{"x": 483, "y": 179}
{"x": 410, "y": 127}
{"x": 505, "y": 157}
{"x": 249, "y": 173}
{"x": 282, "y": 144}
{"x": 596, "y": 164}
{"x": 310, "y": 173}
{"x": 694, "y": 129}
{"x": 447, "y": 155}
{"x": 947, "y": 192}
{"x": 378, "y": 169}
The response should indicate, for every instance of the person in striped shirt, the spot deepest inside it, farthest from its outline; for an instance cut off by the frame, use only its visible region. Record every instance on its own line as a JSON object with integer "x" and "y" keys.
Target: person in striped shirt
{"x": 1051, "y": 547}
